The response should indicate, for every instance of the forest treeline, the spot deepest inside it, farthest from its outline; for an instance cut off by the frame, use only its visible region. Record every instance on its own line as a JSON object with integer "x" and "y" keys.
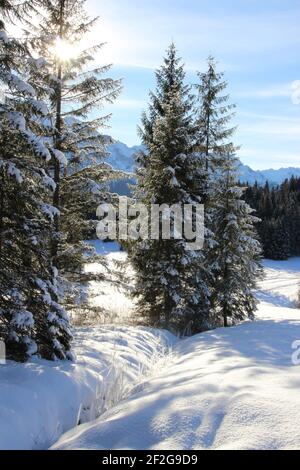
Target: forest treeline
{"x": 278, "y": 207}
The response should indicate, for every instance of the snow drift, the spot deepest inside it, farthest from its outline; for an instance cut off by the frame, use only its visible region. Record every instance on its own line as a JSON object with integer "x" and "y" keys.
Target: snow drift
{"x": 41, "y": 400}
{"x": 231, "y": 388}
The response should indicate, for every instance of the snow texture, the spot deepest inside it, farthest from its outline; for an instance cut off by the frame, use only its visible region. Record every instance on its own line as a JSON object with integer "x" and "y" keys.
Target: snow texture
{"x": 41, "y": 400}
{"x": 60, "y": 157}
{"x": 233, "y": 388}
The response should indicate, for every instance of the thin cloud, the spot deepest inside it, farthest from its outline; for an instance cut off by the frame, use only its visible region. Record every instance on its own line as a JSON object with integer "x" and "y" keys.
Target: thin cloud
{"x": 273, "y": 91}
{"x": 280, "y": 130}
{"x": 296, "y": 92}
{"x": 268, "y": 117}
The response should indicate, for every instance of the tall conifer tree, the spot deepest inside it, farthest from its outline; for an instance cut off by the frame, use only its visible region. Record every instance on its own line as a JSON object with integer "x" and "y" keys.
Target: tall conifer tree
{"x": 234, "y": 255}
{"x": 31, "y": 320}
{"x": 237, "y": 254}
{"x": 73, "y": 91}
{"x": 171, "y": 293}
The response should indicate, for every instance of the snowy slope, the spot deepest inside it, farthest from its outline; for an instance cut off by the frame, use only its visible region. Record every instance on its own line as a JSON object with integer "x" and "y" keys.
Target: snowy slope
{"x": 41, "y": 400}
{"x": 279, "y": 287}
{"x": 122, "y": 158}
{"x": 231, "y": 388}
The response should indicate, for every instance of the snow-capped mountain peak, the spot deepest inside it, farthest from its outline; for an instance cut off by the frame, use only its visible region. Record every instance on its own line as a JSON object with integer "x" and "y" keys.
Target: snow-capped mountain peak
{"x": 122, "y": 158}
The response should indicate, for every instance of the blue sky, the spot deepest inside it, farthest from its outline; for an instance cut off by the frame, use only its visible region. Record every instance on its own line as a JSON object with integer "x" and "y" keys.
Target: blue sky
{"x": 256, "y": 43}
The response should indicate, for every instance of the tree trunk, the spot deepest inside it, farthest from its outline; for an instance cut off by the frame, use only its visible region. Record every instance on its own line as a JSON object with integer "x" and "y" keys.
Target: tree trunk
{"x": 207, "y": 136}
{"x": 207, "y": 143}
{"x": 57, "y": 143}
{"x": 168, "y": 308}
{"x": 1, "y": 213}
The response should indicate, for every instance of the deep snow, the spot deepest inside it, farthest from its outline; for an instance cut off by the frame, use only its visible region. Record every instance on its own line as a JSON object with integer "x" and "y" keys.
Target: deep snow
{"x": 231, "y": 388}
{"x": 41, "y": 400}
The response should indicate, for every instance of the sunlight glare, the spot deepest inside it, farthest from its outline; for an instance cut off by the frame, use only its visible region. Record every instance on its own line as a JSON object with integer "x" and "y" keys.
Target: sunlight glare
{"x": 63, "y": 50}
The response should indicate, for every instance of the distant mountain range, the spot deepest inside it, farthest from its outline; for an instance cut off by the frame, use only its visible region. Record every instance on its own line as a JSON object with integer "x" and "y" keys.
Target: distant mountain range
{"x": 122, "y": 158}
{"x": 274, "y": 177}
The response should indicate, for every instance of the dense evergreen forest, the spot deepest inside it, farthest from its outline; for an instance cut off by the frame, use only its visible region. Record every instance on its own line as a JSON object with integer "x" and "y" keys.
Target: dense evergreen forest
{"x": 279, "y": 210}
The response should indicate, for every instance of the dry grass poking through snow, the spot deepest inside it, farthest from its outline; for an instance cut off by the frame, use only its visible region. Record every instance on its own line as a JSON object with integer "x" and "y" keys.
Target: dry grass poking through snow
{"x": 109, "y": 301}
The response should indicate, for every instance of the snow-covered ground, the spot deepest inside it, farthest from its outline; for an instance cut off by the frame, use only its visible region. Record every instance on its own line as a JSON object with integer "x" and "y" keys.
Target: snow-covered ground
{"x": 41, "y": 400}
{"x": 231, "y": 388}
{"x": 279, "y": 287}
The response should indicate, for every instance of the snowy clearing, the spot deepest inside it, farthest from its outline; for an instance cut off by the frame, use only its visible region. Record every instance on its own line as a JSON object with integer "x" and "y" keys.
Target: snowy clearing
{"x": 231, "y": 388}
{"x": 41, "y": 400}
{"x": 110, "y": 298}
{"x": 279, "y": 287}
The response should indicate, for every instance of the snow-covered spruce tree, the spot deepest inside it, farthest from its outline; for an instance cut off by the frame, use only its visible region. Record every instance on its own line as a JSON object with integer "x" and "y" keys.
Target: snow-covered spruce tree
{"x": 170, "y": 291}
{"x": 31, "y": 321}
{"x": 213, "y": 114}
{"x": 213, "y": 117}
{"x": 213, "y": 132}
{"x": 234, "y": 255}
{"x": 74, "y": 91}
{"x": 238, "y": 252}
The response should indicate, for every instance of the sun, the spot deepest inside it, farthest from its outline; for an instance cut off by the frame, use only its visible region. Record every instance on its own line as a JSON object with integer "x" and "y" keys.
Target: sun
{"x": 63, "y": 50}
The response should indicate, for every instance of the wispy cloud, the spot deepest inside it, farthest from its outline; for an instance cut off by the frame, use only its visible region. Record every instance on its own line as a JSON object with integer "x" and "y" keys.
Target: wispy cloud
{"x": 272, "y": 91}
{"x": 277, "y": 129}
{"x": 296, "y": 92}
{"x": 269, "y": 117}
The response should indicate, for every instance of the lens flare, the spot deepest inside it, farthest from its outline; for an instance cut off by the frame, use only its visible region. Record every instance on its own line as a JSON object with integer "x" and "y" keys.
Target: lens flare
{"x": 63, "y": 50}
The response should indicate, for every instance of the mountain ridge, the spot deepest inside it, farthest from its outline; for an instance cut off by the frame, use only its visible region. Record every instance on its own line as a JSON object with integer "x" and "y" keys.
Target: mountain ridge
{"x": 122, "y": 158}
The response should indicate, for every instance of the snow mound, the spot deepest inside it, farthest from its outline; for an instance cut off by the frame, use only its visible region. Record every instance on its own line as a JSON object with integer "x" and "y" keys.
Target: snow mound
{"x": 41, "y": 400}
{"x": 228, "y": 389}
